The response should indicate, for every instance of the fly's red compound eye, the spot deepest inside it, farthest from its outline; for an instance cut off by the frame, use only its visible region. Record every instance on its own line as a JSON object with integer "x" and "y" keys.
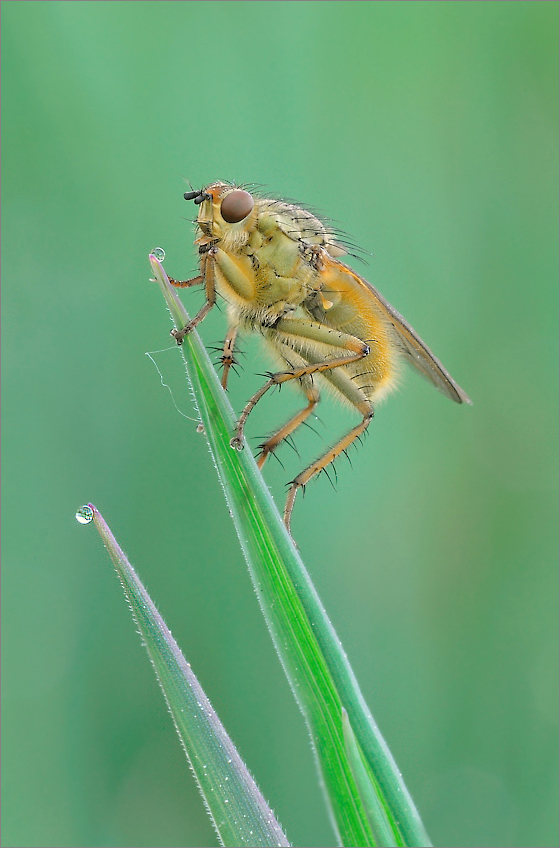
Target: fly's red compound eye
{"x": 236, "y": 206}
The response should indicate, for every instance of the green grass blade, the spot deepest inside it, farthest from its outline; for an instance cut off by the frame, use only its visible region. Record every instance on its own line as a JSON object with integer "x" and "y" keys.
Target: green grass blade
{"x": 238, "y": 811}
{"x": 375, "y": 811}
{"x": 309, "y": 649}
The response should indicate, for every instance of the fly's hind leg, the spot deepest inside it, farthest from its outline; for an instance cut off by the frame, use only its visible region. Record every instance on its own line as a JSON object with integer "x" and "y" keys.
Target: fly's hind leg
{"x": 312, "y": 470}
{"x": 343, "y": 383}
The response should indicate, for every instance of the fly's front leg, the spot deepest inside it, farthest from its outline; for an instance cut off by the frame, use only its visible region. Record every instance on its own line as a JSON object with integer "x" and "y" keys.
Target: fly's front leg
{"x": 186, "y": 284}
{"x": 208, "y": 276}
{"x": 298, "y": 333}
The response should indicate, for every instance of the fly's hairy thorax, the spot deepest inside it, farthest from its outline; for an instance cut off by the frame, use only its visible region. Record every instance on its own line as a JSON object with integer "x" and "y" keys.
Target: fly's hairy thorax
{"x": 268, "y": 268}
{"x": 280, "y": 262}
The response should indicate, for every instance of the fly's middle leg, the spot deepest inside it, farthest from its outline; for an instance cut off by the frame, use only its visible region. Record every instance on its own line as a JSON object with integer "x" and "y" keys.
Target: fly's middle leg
{"x": 272, "y": 443}
{"x": 296, "y": 333}
{"x": 310, "y": 391}
{"x": 227, "y": 357}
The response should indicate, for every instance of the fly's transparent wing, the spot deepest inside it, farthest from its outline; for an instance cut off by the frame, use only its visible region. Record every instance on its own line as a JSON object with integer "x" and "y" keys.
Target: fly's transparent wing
{"x": 415, "y": 351}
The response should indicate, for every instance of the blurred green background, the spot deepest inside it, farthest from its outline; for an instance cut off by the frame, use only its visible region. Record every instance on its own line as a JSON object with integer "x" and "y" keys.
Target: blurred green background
{"x": 430, "y": 132}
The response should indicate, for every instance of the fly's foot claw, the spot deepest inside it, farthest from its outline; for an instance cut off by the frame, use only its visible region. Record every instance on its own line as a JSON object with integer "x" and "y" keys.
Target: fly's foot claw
{"x": 237, "y": 442}
{"x": 179, "y": 335}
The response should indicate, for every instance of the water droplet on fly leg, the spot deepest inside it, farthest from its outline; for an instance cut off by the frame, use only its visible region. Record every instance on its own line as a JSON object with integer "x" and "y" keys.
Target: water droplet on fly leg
{"x": 84, "y": 515}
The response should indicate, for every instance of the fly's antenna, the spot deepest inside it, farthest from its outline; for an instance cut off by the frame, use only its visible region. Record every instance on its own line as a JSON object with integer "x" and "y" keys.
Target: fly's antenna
{"x": 198, "y": 196}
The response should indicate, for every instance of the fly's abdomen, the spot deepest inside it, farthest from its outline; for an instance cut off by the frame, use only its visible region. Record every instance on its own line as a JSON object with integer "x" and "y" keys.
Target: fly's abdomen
{"x": 348, "y": 309}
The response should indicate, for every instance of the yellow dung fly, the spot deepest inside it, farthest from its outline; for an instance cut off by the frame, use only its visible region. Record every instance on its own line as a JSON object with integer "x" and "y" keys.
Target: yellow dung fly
{"x": 278, "y": 268}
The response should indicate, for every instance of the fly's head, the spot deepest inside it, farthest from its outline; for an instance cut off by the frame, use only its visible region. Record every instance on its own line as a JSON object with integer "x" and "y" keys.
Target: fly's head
{"x": 226, "y": 214}
{"x": 237, "y": 220}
